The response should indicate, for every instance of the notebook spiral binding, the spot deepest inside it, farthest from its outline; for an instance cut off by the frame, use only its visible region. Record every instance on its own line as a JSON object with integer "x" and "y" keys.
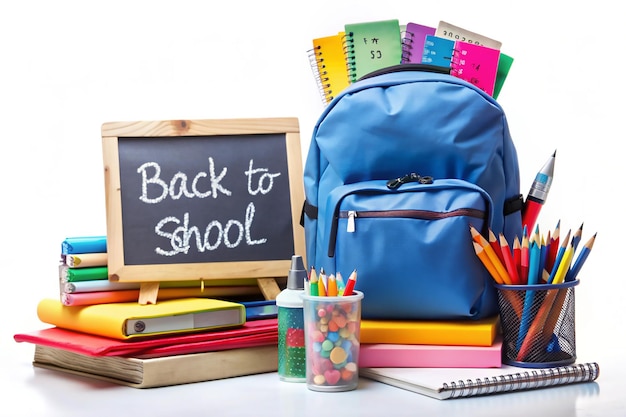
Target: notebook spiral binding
{"x": 526, "y": 380}
{"x": 407, "y": 46}
{"x": 456, "y": 63}
{"x": 349, "y": 52}
{"x": 316, "y": 63}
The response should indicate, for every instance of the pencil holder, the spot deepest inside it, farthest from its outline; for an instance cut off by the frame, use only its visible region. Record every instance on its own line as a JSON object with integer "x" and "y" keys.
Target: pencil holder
{"x": 538, "y": 324}
{"x": 332, "y": 327}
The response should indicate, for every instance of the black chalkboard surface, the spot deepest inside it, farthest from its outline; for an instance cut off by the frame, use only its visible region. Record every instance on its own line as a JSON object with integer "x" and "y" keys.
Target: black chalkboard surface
{"x": 202, "y": 199}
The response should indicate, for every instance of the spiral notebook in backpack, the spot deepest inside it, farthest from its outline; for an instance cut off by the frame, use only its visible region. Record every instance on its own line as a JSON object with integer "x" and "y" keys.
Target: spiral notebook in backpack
{"x": 400, "y": 164}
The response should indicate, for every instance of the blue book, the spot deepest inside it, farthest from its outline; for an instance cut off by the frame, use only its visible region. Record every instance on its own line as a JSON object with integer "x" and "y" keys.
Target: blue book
{"x": 438, "y": 51}
{"x": 257, "y": 310}
{"x": 84, "y": 244}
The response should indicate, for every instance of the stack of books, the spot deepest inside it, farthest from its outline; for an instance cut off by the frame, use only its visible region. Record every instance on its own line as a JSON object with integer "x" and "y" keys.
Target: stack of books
{"x": 83, "y": 279}
{"x": 431, "y": 344}
{"x": 190, "y": 334}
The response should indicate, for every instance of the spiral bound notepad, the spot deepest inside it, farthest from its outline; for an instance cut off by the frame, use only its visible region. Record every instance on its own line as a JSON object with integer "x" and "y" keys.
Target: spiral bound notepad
{"x": 446, "y": 383}
{"x": 413, "y": 42}
{"x": 371, "y": 46}
{"x": 328, "y": 62}
{"x": 475, "y": 64}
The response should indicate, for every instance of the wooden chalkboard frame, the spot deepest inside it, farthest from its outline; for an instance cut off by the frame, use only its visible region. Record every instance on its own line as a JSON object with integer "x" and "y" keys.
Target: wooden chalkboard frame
{"x": 114, "y": 131}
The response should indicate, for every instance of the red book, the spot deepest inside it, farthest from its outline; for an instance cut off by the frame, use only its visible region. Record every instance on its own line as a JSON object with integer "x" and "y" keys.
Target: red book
{"x": 253, "y": 333}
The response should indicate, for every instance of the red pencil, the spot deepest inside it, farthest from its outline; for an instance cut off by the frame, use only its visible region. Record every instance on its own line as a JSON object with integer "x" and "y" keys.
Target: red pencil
{"x": 493, "y": 241}
{"x": 508, "y": 260}
{"x": 517, "y": 256}
{"x": 350, "y": 284}
{"x": 524, "y": 261}
{"x": 554, "y": 246}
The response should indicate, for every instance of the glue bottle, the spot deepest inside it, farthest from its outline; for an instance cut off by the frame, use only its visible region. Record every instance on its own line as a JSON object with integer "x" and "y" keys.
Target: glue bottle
{"x": 291, "y": 350}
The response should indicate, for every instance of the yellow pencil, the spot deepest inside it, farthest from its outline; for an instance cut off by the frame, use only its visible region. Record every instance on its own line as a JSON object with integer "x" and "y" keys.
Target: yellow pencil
{"x": 321, "y": 287}
{"x": 332, "y": 286}
{"x": 493, "y": 256}
{"x": 482, "y": 255}
{"x": 514, "y": 301}
{"x": 559, "y": 277}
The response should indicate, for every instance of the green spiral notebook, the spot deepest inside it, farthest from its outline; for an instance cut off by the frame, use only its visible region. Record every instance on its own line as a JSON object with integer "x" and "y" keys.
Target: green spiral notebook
{"x": 371, "y": 46}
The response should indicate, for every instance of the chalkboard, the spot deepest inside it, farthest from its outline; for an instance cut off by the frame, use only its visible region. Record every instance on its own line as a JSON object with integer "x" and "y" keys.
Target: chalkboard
{"x": 202, "y": 199}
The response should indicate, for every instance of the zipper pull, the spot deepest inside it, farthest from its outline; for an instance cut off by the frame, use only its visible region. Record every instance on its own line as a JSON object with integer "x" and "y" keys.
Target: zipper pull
{"x": 412, "y": 177}
{"x": 351, "y": 227}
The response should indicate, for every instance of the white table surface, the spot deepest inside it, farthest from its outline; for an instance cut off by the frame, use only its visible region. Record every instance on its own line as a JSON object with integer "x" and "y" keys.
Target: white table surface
{"x": 29, "y": 391}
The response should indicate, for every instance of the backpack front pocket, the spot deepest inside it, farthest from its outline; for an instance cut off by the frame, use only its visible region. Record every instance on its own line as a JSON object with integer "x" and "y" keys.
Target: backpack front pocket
{"x": 412, "y": 248}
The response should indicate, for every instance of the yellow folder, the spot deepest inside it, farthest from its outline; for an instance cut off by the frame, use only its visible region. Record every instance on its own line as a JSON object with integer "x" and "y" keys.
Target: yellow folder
{"x": 133, "y": 320}
{"x": 431, "y": 332}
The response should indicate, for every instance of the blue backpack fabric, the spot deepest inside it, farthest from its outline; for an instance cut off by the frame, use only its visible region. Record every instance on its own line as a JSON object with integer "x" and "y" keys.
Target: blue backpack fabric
{"x": 400, "y": 164}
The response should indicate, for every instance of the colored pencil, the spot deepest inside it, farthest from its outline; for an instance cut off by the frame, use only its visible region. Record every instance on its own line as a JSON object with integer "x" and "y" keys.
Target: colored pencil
{"x": 580, "y": 260}
{"x": 577, "y": 236}
{"x": 350, "y": 284}
{"x": 514, "y": 301}
{"x": 509, "y": 262}
{"x": 321, "y": 285}
{"x": 534, "y": 253}
{"x": 524, "y": 260}
{"x": 559, "y": 256}
{"x": 543, "y": 257}
{"x": 493, "y": 257}
{"x": 538, "y": 323}
{"x": 493, "y": 241}
{"x": 517, "y": 257}
{"x": 332, "y": 289}
{"x": 554, "y": 246}
{"x": 533, "y": 279}
{"x": 341, "y": 284}
{"x": 482, "y": 255}
{"x": 313, "y": 286}
{"x": 476, "y": 236}
{"x": 564, "y": 265}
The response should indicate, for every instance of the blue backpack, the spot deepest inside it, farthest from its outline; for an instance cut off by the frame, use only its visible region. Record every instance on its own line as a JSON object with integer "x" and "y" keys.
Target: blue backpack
{"x": 400, "y": 164}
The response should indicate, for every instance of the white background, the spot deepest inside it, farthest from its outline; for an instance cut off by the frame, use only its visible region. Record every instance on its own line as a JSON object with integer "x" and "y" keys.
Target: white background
{"x": 66, "y": 67}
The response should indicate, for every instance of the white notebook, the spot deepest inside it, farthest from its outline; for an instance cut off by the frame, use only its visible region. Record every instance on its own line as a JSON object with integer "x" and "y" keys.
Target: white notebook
{"x": 444, "y": 383}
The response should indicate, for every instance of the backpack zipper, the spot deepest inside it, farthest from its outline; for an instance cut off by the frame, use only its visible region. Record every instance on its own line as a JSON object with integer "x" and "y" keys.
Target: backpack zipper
{"x": 351, "y": 215}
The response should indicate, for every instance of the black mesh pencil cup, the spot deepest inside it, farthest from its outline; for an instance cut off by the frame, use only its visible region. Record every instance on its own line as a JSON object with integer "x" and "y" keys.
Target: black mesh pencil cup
{"x": 538, "y": 324}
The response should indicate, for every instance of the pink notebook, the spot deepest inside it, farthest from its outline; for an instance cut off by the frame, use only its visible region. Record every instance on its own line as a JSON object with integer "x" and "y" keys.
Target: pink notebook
{"x": 387, "y": 355}
{"x": 475, "y": 64}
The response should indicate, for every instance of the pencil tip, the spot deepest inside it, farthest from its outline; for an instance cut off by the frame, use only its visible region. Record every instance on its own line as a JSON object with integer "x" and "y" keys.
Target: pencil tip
{"x": 554, "y": 154}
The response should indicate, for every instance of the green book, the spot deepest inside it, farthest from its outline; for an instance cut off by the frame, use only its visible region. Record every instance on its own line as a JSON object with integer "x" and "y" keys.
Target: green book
{"x": 504, "y": 65}
{"x": 371, "y": 46}
{"x": 67, "y": 274}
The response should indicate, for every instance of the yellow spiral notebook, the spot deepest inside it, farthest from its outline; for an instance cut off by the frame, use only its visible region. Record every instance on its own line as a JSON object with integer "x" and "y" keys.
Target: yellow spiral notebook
{"x": 330, "y": 67}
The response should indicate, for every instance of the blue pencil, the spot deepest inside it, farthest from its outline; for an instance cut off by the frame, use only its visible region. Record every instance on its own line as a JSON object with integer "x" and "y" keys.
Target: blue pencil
{"x": 533, "y": 279}
{"x": 577, "y": 236}
{"x": 580, "y": 260}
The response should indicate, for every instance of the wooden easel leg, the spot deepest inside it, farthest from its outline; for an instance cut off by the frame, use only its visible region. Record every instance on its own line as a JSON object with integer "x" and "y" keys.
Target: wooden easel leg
{"x": 148, "y": 292}
{"x": 268, "y": 287}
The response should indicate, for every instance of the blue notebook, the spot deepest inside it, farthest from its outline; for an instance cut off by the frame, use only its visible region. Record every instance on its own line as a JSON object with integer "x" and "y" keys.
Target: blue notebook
{"x": 438, "y": 51}
{"x": 84, "y": 244}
